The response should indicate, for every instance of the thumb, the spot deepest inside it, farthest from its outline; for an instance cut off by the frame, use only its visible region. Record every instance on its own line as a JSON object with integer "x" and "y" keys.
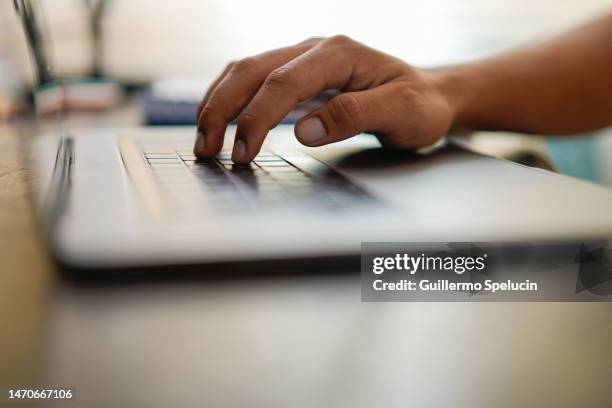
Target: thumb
{"x": 345, "y": 115}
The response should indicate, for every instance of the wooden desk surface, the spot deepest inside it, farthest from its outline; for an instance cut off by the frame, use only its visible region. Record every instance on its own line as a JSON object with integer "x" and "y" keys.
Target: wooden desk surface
{"x": 24, "y": 267}
{"x": 283, "y": 342}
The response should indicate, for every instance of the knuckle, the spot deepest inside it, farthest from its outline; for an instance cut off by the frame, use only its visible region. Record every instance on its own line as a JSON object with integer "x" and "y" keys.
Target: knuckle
{"x": 340, "y": 39}
{"x": 228, "y": 68}
{"x": 244, "y": 65}
{"x": 347, "y": 110}
{"x": 397, "y": 67}
{"x": 408, "y": 93}
{"x": 209, "y": 118}
{"x": 411, "y": 97}
{"x": 246, "y": 120}
{"x": 203, "y": 119}
{"x": 280, "y": 78}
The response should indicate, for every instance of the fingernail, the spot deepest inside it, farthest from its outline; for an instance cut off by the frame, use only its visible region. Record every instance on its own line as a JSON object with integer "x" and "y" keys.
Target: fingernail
{"x": 239, "y": 150}
{"x": 311, "y": 130}
{"x": 199, "y": 143}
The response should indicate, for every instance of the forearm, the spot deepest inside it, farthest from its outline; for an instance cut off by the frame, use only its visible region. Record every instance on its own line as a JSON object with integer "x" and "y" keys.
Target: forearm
{"x": 560, "y": 86}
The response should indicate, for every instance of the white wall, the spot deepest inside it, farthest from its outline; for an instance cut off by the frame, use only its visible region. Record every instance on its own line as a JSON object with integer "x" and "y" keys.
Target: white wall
{"x": 150, "y": 39}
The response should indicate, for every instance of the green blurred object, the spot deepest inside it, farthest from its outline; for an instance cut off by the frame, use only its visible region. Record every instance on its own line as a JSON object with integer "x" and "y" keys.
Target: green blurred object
{"x": 588, "y": 157}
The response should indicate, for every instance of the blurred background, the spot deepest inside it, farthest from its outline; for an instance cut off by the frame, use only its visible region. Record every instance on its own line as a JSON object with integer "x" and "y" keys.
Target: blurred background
{"x": 169, "y": 51}
{"x": 152, "y": 40}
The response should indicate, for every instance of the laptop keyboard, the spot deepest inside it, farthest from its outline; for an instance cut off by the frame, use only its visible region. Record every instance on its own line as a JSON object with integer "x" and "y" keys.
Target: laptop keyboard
{"x": 271, "y": 181}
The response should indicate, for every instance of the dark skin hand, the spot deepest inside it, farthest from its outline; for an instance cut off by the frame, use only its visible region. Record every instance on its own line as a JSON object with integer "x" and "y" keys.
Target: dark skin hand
{"x": 560, "y": 86}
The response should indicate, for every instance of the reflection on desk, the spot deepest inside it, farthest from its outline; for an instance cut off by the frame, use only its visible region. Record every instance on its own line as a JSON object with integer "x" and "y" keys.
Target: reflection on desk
{"x": 310, "y": 342}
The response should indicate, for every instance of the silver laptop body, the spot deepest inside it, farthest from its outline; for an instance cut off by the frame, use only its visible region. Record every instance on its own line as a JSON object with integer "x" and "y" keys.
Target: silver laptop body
{"x": 120, "y": 198}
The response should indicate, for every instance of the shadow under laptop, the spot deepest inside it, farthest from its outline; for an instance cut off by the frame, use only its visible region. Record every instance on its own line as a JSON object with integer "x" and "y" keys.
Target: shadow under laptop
{"x": 214, "y": 272}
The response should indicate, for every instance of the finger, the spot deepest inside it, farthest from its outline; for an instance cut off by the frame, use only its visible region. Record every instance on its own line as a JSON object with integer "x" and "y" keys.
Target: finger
{"x": 349, "y": 114}
{"x": 328, "y": 65}
{"x": 233, "y": 93}
{"x": 199, "y": 142}
{"x": 397, "y": 115}
{"x": 309, "y": 42}
{"x": 212, "y": 87}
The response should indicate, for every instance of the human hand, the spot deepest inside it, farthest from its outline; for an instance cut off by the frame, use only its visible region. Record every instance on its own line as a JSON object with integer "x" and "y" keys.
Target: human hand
{"x": 403, "y": 106}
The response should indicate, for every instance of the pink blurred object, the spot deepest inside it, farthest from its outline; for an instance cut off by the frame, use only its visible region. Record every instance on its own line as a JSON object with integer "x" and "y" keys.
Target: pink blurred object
{"x": 78, "y": 94}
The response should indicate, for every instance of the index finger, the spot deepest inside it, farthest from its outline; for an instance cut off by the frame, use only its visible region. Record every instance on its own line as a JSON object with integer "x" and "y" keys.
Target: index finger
{"x": 234, "y": 91}
{"x": 323, "y": 67}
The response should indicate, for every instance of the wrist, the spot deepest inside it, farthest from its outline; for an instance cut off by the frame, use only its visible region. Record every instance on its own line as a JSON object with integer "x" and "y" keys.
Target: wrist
{"x": 457, "y": 85}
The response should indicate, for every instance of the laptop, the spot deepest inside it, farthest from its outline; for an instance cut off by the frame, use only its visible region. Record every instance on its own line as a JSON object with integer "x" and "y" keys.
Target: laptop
{"x": 133, "y": 198}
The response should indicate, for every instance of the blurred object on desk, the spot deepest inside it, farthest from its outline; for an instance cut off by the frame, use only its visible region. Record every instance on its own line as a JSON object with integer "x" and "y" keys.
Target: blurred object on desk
{"x": 52, "y": 93}
{"x": 528, "y": 150}
{"x": 11, "y": 92}
{"x": 78, "y": 94}
{"x": 588, "y": 157}
{"x": 12, "y": 89}
{"x": 173, "y": 101}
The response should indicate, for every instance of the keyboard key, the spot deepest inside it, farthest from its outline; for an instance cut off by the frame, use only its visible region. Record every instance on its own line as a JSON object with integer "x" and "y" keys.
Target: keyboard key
{"x": 267, "y": 159}
{"x": 199, "y": 165}
{"x": 164, "y": 161}
{"x": 266, "y": 164}
{"x": 283, "y": 169}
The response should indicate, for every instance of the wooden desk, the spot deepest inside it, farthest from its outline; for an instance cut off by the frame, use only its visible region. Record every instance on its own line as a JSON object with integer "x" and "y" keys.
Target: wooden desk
{"x": 25, "y": 277}
{"x": 282, "y": 342}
